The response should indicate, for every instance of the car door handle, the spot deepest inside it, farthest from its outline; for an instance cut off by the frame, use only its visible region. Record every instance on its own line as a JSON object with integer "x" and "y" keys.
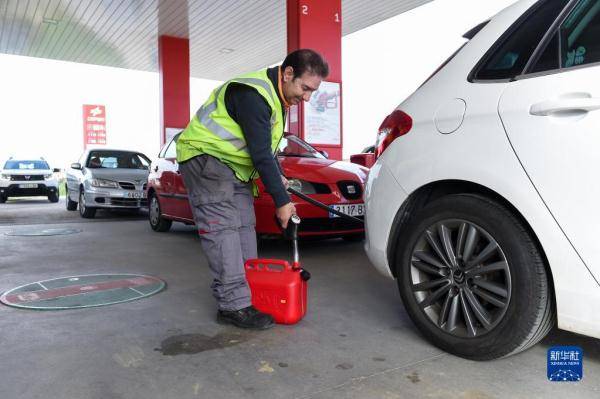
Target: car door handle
{"x": 565, "y": 105}
{"x": 156, "y": 168}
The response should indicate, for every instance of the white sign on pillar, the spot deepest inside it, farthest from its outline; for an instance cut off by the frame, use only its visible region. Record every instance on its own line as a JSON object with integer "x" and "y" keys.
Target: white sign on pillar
{"x": 322, "y": 115}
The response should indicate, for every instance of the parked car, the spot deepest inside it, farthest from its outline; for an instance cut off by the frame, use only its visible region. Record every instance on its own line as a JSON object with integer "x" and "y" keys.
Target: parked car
{"x": 483, "y": 202}
{"x": 108, "y": 179}
{"x": 335, "y": 183}
{"x": 28, "y": 178}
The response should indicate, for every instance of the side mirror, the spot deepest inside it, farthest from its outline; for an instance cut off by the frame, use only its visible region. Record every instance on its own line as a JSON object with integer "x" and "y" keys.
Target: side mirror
{"x": 56, "y": 170}
{"x": 364, "y": 159}
{"x": 324, "y": 153}
{"x": 76, "y": 166}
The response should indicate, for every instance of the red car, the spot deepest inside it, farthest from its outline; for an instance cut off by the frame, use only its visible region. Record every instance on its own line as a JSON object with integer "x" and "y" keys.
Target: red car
{"x": 335, "y": 183}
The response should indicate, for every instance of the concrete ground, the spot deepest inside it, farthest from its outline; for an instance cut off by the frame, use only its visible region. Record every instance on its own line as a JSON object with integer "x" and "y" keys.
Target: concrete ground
{"x": 355, "y": 342}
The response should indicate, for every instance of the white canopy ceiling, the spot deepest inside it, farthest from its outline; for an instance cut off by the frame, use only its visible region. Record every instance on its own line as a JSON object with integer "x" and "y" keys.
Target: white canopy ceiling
{"x": 226, "y": 36}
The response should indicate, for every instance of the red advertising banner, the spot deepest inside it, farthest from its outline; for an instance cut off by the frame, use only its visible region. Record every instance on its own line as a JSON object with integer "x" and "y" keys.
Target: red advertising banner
{"x": 94, "y": 124}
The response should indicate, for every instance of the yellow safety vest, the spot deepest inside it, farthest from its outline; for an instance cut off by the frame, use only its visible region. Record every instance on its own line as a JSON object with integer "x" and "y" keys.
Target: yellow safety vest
{"x": 212, "y": 131}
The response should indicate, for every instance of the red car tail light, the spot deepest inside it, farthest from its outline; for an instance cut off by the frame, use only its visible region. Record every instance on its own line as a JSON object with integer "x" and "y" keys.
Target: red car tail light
{"x": 396, "y": 124}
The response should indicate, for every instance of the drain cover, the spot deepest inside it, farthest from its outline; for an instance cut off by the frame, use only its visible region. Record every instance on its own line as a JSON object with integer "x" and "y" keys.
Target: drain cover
{"x": 82, "y": 291}
{"x": 37, "y": 231}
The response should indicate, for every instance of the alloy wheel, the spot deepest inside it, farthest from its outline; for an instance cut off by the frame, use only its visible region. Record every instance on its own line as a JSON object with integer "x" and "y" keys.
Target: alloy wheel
{"x": 460, "y": 278}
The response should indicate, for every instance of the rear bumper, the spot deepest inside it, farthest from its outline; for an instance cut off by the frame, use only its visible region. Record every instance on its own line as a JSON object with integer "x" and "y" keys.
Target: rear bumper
{"x": 383, "y": 197}
{"x": 13, "y": 190}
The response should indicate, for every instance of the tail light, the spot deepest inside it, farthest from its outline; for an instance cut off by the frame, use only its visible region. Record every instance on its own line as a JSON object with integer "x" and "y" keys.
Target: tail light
{"x": 396, "y": 124}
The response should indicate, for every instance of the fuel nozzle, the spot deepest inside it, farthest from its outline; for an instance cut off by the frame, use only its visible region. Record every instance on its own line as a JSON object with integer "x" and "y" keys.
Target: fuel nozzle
{"x": 292, "y": 233}
{"x": 292, "y": 227}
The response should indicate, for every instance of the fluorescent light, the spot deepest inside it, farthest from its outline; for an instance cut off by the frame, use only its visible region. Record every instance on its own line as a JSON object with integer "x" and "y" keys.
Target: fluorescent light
{"x": 50, "y": 21}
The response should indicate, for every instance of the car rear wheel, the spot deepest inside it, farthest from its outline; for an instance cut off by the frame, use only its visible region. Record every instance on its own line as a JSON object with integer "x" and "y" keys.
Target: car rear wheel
{"x": 3, "y": 199}
{"x": 472, "y": 278}
{"x": 71, "y": 205}
{"x": 157, "y": 221}
{"x": 85, "y": 211}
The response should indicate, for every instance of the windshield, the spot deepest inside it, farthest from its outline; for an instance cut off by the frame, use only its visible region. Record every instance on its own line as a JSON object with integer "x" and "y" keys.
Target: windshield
{"x": 293, "y": 146}
{"x": 26, "y": 165}
{"x": 117, "y": 160}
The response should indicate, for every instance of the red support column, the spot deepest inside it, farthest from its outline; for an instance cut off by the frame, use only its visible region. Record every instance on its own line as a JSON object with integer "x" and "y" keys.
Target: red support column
{"x": 174, "y": 69}
{"x": 317, "y": 24}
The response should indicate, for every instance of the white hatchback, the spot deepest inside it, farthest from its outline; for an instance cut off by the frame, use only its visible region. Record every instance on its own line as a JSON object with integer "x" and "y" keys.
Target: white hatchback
{"x": 484, "y": 200}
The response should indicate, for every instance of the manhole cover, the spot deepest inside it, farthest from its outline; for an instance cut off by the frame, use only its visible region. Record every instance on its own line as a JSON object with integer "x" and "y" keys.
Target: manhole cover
{"x": 82, "y": 291}
{"x": 37, "y": 231}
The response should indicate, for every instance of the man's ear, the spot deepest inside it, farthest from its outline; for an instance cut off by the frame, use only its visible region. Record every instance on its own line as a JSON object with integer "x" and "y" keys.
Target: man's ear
{"x": 288, "y": 74}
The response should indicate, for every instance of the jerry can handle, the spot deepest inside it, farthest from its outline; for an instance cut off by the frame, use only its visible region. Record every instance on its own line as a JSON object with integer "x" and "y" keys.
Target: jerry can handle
{"x": 265, "y": 264}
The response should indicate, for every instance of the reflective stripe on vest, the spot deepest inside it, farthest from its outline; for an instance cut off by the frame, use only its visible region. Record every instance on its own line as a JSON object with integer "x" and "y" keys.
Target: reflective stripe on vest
{"x": 218, "y": 130}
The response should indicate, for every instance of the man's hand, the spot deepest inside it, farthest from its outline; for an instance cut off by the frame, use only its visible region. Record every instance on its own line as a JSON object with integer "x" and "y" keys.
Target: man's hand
{"x": 284, "y": 213}
{"x": 285, "y": 182}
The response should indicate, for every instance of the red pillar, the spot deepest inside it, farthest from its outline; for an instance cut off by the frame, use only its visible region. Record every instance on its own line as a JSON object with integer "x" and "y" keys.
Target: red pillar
{"x": 317, "y": 24}
{"x": 174, "y": 69}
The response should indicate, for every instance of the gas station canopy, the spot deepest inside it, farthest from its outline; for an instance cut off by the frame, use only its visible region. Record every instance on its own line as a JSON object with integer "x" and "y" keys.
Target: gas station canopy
{"x": 227, "y": 37}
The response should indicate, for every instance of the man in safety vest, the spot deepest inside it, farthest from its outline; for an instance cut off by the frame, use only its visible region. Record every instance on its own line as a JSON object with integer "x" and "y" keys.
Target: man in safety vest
{"x": 232, "y": 140}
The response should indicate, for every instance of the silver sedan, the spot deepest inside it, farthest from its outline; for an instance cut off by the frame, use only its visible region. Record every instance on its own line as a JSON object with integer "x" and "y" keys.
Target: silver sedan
{"x": 104, "y": 178}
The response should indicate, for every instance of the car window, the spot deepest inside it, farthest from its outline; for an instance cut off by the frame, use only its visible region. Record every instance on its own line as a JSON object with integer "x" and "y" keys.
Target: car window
{"x": 293, "y": 146}
{"x": 26, "y": 165}
{"x": 549, "y": 59}
{"x": 514, "y": 49}
{"x": 117, "y": 160}
{"x": 580, "y": 35}
{"x": 577, "y": 39}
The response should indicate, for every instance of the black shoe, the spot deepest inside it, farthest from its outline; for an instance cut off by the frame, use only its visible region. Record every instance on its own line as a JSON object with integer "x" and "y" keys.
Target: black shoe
{"x": 246, "y": 318}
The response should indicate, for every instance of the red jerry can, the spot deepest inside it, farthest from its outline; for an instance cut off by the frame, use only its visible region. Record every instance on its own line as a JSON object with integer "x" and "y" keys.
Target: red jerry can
{"x": 278, "y": 288}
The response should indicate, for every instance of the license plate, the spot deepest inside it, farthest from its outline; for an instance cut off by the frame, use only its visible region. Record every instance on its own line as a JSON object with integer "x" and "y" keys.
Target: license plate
{"x": 348, "y": 209}
{"x": 28, "y": 185}
{"x": 137, "y": 194}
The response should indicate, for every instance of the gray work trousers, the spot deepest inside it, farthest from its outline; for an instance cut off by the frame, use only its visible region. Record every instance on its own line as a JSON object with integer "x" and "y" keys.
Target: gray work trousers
{"x": 223, "y": 209}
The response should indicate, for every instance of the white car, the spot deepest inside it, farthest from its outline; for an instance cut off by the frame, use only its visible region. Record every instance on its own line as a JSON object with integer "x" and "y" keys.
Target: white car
{"x": 108, "y": 179}
{"x": 484, "y": 200}
{"x": 28, "y": 177}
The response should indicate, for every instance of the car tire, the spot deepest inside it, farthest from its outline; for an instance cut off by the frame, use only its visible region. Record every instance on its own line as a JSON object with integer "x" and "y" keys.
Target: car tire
{"x": 497, "y": 302}
{"x": 157, "y": 221}
{"x": 3, "y": 199}
{"x": 53, "y": 197}
{"x": 71, "y": 205}
{"x": 85, "y": 212}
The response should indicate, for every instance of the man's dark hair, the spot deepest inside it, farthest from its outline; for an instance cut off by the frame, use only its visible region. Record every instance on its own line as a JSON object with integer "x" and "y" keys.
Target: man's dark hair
{"x": 306, "y": 60}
